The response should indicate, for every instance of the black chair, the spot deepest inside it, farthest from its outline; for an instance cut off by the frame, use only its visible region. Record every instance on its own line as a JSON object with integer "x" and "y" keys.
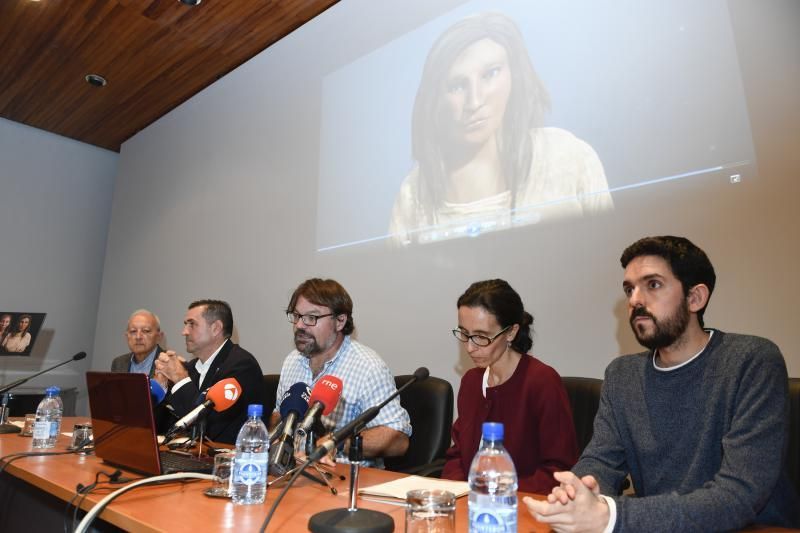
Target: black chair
{"x": 430, "y": 405}
{"x": 793, "y": 455}
{"x": 584, "y": 398}
{"x": 270, "y": 392}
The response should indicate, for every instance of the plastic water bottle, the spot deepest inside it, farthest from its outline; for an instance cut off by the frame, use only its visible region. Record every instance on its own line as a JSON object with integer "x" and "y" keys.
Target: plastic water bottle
{"x": 251, "y": 461}
{"x": 48, "y": 419}
{"x": 492, "y": 485}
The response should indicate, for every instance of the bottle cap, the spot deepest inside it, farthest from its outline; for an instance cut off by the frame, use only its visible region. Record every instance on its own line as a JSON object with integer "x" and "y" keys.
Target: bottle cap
{"x": 492, "y": 431}
{"x": 52, "y": 390}
{"x": 255, "y": 409}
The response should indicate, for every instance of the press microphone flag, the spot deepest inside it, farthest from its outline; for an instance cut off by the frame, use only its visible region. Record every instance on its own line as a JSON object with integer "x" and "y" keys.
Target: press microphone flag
{"x": 324, "y": 397}
{"x": 220, "y": 397}
{"x": 157, "y": 391}
{"x": 361, "y": 420}
{"x": 293, "y": 406}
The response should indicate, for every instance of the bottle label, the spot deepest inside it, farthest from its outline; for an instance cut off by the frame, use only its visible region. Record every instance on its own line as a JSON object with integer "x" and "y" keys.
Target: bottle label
{"x": 41, "y": 429}
{"x": 251, "y": 468}
{"x": 487, "y": 521}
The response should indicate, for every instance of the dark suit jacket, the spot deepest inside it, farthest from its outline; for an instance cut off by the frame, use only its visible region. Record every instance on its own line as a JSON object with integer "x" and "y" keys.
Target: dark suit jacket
{"x": 122, "y": 363}
{"x": 232, "y": 361}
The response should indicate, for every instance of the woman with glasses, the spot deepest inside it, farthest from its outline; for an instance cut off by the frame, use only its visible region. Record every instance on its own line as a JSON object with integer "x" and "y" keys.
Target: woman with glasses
{"x": 510, "y": 386}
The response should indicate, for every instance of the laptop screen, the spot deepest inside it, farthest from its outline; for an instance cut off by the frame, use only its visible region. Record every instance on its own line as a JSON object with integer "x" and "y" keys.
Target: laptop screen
{"x": 122, "y": 421}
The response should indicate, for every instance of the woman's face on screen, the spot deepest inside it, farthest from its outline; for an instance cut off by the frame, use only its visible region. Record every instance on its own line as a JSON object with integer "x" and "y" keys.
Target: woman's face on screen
{"x": 476, "y": 93}
{"x": 5, "y": 321}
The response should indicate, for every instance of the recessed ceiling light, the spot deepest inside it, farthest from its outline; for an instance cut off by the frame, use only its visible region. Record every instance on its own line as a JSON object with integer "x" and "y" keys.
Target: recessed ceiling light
{"x": 96, "y": 80}
{"x": 190, "y": 2}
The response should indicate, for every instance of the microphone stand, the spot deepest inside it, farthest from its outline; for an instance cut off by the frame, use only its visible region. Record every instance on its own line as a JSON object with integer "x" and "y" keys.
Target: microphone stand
{"x": 352, "y": 519}
{"x": 344, "y": 520}
{"x": 201, "y": 429}
{"x": 323, "y": 478}
{"x": 15, "y": 384}
{"x": 11, "y": 428}
{"x": 356, "y": 455}
{"x": 6, "y": 427}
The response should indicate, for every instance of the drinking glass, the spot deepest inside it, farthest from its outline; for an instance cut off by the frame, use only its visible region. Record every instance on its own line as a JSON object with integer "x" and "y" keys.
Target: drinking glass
{"x": 430, "y": 511}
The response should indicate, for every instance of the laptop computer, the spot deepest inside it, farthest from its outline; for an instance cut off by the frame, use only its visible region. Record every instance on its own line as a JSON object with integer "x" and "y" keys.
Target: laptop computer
{"x": 124, "y": 427}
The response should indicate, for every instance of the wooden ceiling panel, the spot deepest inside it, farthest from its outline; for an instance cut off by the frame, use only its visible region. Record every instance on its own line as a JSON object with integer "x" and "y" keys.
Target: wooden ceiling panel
{"x": 155, "y": 55}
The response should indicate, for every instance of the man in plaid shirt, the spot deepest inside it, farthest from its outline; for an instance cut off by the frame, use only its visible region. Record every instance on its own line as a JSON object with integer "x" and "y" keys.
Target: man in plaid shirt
{"x": 321, "y": 313}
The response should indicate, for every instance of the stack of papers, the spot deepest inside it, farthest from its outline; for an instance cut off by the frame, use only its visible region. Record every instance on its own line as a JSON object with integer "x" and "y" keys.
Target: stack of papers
{"x": 399, "y": 487}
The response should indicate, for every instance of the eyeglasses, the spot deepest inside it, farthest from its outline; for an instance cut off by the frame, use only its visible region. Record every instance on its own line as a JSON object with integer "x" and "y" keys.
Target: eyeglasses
{"x": 477, "y": 340}
{"x": 308, "y": 320}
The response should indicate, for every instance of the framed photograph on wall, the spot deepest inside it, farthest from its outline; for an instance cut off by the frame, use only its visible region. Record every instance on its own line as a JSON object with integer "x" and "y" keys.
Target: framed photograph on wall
{"x": 18, "y": 332}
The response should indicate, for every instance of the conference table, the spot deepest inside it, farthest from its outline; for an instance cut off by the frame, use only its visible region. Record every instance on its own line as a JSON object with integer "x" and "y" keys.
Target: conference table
{"x": 34, "y": 492}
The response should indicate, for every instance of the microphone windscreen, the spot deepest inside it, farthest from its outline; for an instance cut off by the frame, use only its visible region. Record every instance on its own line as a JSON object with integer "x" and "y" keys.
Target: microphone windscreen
{"x": 421, "y": 373}
{"x": 78, "y": 356}
{"x": 327, "y": 391}
{"x": 295, "y": 399}
{"x": 224, "y": 393}
{"x": 157, "y": 392}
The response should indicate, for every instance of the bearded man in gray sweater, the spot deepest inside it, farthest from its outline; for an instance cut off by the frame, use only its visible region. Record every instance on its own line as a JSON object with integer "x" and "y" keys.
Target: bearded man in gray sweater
{"x": 699, "y": 421}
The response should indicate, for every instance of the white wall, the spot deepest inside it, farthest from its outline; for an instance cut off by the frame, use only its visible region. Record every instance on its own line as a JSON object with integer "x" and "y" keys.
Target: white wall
{"x": 217, "y": 200}
{"x": 55, "y": 207}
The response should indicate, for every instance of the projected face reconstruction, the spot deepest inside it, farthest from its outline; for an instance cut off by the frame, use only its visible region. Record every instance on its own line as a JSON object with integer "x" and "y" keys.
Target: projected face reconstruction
{"x": 483, "y": 160}
{"x": 521, "y": 115}
{"x": 475, "y": 97}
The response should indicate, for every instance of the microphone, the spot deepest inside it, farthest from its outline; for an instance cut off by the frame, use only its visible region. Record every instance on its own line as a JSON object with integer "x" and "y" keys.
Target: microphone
{"x": 157, "y": 392}
{"x": 221, "y": 396}
{"x": 293, "y": 406}
{"x": 324, "y": 397}
{"x": 358, "y": 423}
{"x": 77, "y": 357}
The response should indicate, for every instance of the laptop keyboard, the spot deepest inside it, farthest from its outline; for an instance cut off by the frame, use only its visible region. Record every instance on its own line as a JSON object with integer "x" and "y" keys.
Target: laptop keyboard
{"x": 173, "y": 462}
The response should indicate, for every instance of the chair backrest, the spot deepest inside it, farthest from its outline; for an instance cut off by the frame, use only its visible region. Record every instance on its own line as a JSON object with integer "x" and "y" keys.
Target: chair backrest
{"x": 793, "y": 454}
{"x": 270, "y": 392}
{"x": 430, "y": 406}
{"x": 584, "y": 398}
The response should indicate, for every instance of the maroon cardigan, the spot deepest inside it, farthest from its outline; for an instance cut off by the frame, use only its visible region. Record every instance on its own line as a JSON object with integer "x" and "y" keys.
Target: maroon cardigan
{"x": 534, "y": 409}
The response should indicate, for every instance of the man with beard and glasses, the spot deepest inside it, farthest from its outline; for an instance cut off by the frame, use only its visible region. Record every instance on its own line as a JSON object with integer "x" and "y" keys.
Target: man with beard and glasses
{"x": 699, "y": 421}
{"x": 321, "y": 314}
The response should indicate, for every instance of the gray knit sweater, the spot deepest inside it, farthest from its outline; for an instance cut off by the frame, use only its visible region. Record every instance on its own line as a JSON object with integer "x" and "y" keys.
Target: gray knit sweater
{"x": 704, "y": 444}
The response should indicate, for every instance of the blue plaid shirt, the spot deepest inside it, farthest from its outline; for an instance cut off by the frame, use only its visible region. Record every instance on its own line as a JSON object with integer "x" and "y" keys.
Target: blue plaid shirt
{"x": 366, "y": 381}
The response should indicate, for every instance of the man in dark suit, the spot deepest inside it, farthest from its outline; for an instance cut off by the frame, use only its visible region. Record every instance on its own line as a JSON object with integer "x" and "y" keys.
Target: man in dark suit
{"x": 207, "y": 328}
{"x": 143, "y": 335}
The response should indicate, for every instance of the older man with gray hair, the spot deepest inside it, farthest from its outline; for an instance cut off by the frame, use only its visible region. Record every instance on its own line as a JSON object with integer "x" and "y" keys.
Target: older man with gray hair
{"x": 143, "y": 335}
